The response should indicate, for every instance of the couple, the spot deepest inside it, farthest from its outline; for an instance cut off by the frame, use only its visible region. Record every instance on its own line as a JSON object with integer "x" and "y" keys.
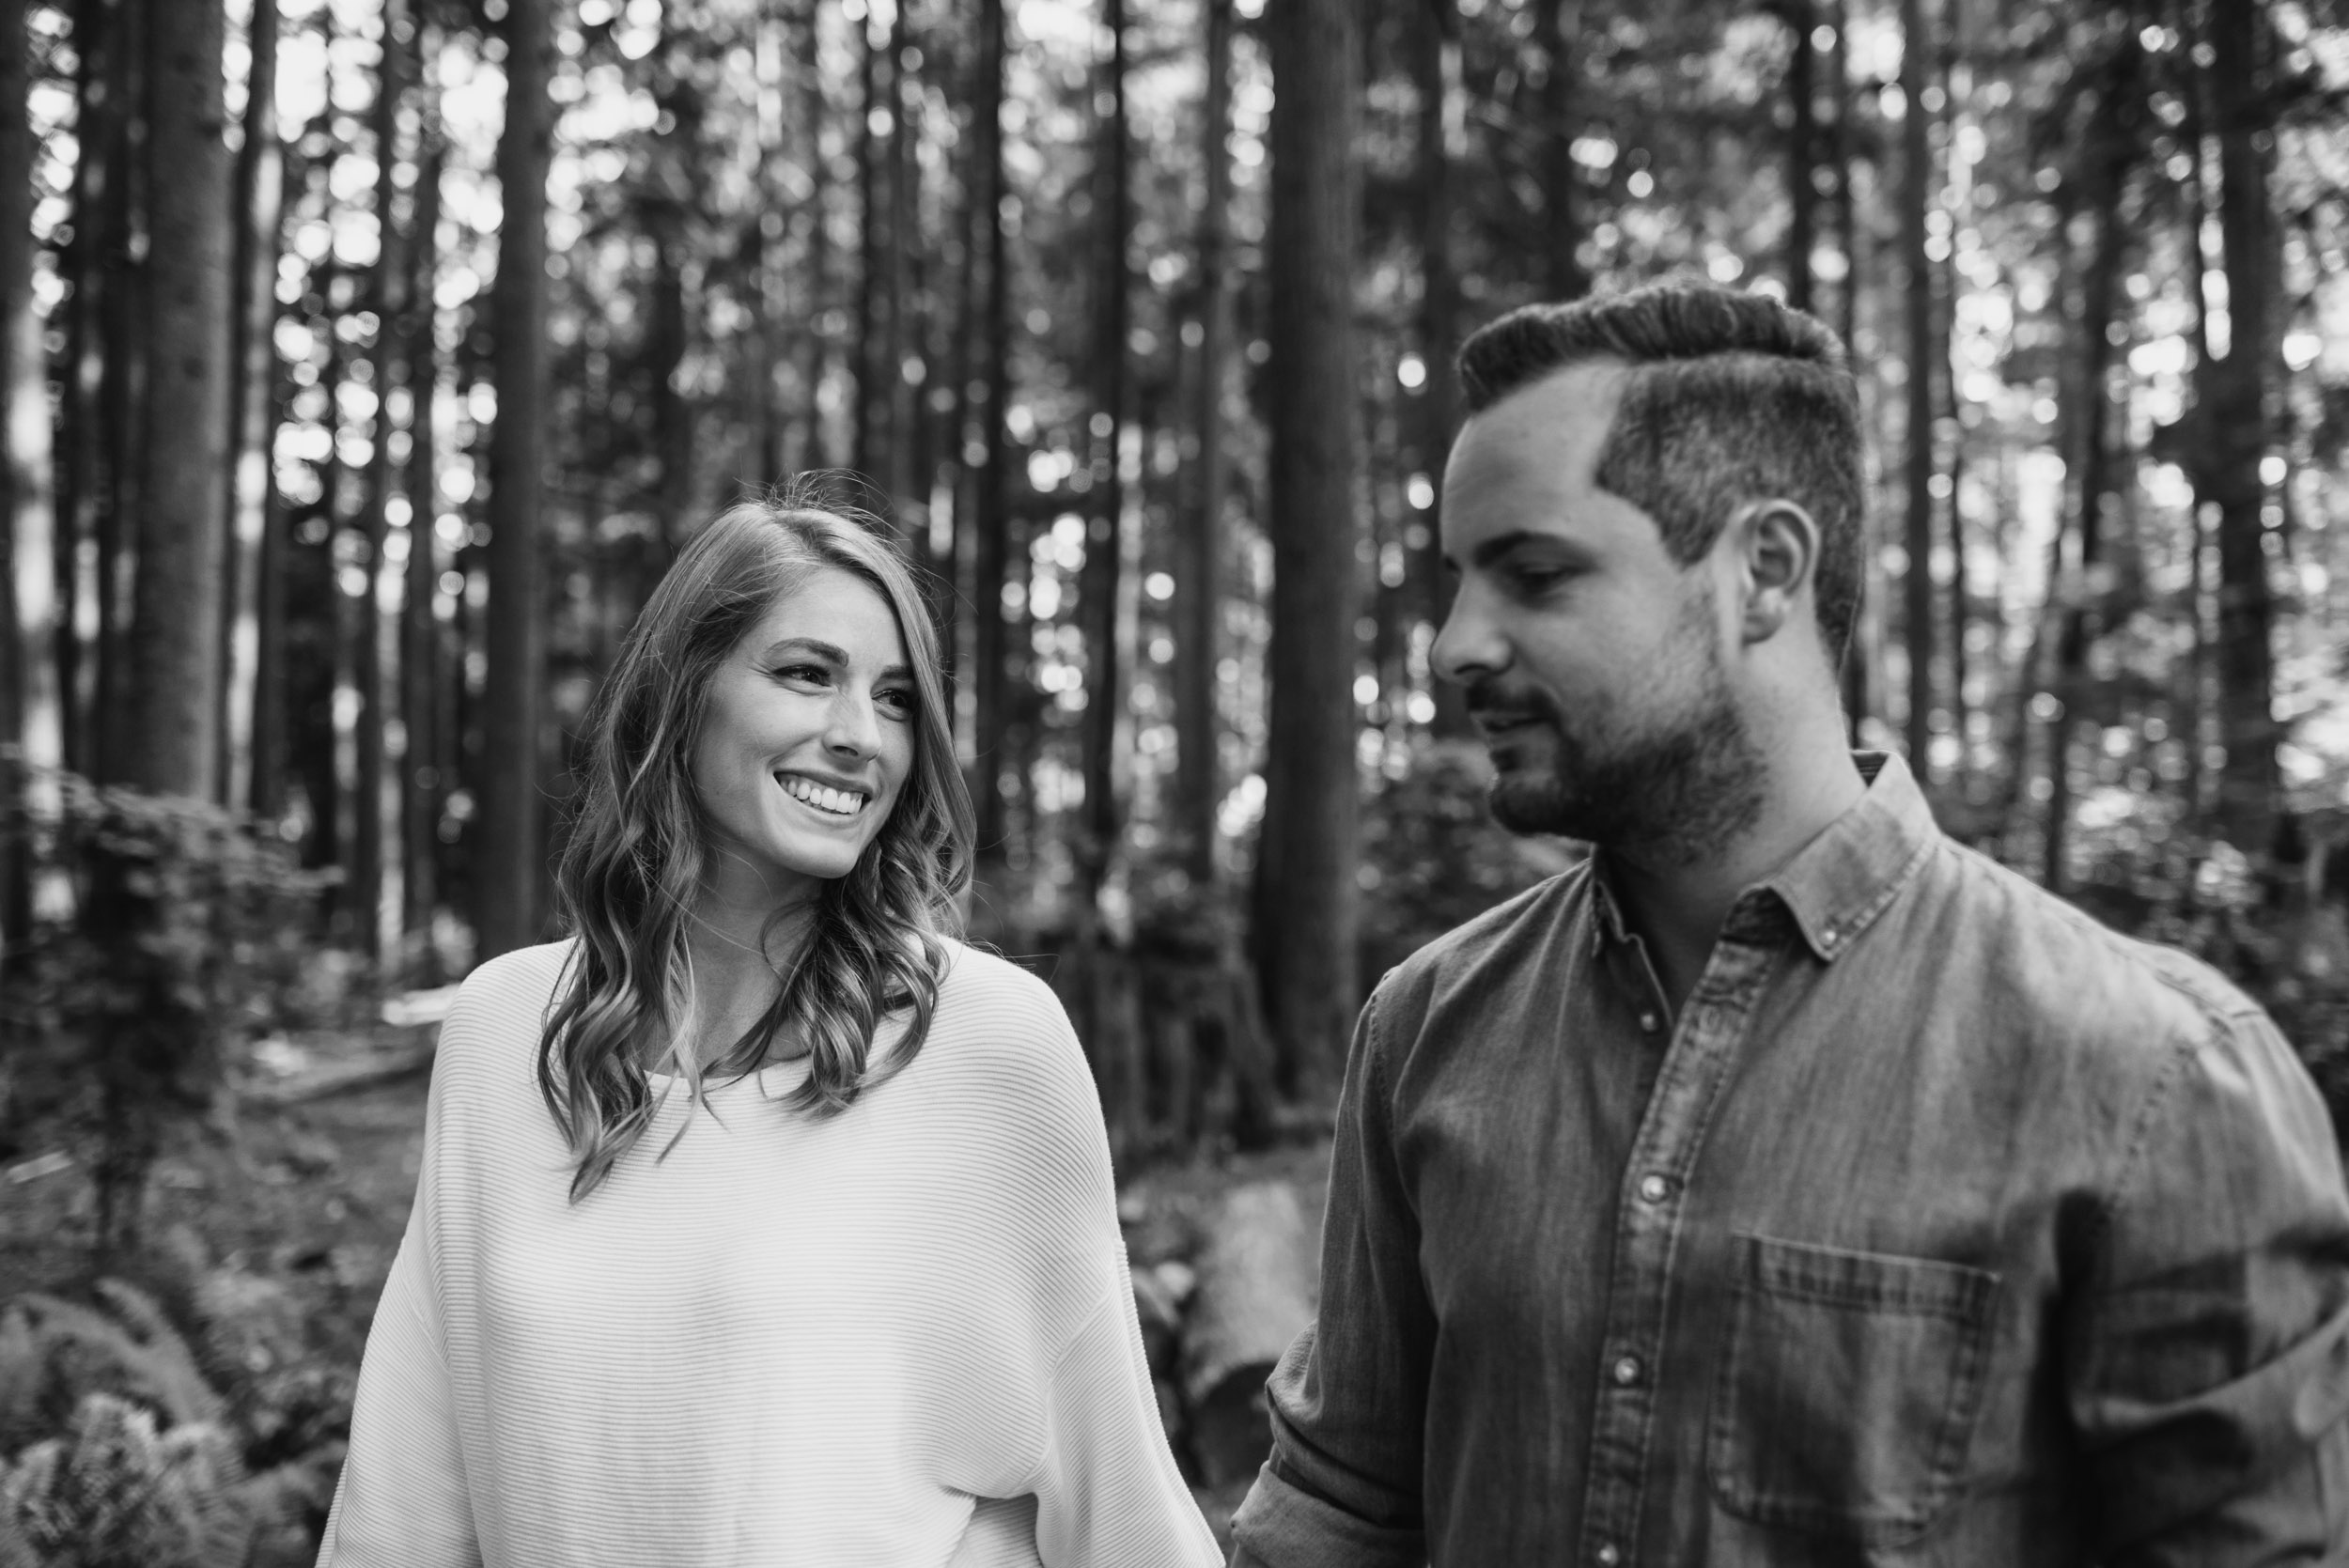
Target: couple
{"x": 1786, "y": 1185}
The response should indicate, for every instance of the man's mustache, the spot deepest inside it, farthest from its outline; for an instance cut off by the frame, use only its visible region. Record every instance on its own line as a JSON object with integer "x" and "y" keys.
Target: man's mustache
{"x": 1492, "y": 705}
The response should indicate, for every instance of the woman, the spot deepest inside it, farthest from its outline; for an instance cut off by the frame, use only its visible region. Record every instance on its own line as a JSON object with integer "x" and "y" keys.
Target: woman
{"x": 763, "y": 1221}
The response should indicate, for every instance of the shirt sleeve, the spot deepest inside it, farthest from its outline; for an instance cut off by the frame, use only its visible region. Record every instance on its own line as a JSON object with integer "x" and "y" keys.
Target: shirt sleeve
{"x": 2209, "y": 1355}
{"x": 402, "y": 1501}
{"x": 1348, "y": 1401}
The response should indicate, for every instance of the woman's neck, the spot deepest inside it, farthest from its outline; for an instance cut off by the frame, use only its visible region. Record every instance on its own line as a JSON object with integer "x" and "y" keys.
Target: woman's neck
{"x": 740, "y": 952}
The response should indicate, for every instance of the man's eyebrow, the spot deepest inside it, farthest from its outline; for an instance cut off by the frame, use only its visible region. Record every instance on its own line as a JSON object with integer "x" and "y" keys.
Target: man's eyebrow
{"x": 1492, "y": 550}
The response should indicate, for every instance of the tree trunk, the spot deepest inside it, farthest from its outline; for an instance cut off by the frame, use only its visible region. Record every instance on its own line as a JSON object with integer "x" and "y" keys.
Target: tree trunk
{"x": 1562, "y": 227}
{"x": 1307, "y": 909}
{"x": 814, "y": 446}
{"x": 1916, "y": 191}
{"x": 2233, "y": 395}
{"x": 423, "y": 771}
{"x": 1258, "y": 1279}
{"x": 1198, "y": 597}
{"x": 991, "y": 521}
{"x": 1436, "y": 76}
{"x": 1860, "y": 660}
{"x": 509, "y": 854}
{"x": 83, "y": 371}
{"x": 869, "y": 261}
{"x": 389, "y": 291}
{"x": 2195, "y": 732}
{"x": 1802, "y": 154}
{"x": 119, "y": 471}
{"x": 175, "y": 650}
{"x": 900, "y": 337}
{"x": 252, "y": 402}
{"x": 1096, "y": 598}
{"x": 29, "y": 706}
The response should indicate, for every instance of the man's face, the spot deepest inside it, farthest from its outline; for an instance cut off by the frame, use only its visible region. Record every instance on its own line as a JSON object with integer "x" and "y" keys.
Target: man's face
{"x": 1594, "y": 661}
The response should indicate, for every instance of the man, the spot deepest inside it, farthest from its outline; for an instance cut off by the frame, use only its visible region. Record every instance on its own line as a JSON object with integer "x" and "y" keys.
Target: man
{"x": 1788, "y": 1185}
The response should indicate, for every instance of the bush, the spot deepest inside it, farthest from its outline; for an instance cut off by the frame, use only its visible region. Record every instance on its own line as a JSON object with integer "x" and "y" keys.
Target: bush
{"x": 189, "y": 930}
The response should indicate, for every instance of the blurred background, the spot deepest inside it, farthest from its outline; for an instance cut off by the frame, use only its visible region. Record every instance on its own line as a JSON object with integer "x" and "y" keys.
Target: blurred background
{"x": 369, "y": 360}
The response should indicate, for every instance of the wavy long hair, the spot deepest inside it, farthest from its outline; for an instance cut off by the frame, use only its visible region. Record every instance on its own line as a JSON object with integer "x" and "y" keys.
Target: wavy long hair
{"x": 875, "y": 941}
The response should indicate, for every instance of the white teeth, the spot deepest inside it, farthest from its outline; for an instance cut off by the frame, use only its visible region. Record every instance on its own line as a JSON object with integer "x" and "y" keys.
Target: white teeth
{"x": 840, "y": 803}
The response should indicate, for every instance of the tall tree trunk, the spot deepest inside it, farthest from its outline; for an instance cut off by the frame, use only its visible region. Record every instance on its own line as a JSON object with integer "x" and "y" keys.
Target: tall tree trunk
{"x": 814, "y": 446}
{"x": 389, "y": 290}
{"x": 900, "y": 336}
{"x": 2196, "y": 732}
{"x": 510, "y": 853}
{"x": 1197, "y": 591}
{"x": 176, "y": 651}
{"x": 29, "y": 706}
{"x": 871, "y": 266}
{"x": 78, "y": 469}
{"x": 1859, "y": 658}
{"x": 1802, "y": 154}
{"x": 121, "y": 399}
{"x": 1096, "y": 598}
{"x": 1917, "y": 580}
{"x": 251, "y": 401}
{"x": 1562, "y": 226}
{"x": 1307, "y": 908}
{"x": 991, "y": 524}
{"x": 1436, "y": 76}
{"x": 2233, "y": 395}
{"x": 676, "y": 173}
{"x": 424, "y": 783}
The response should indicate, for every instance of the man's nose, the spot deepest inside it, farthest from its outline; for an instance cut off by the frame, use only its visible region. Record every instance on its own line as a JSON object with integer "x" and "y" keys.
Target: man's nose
{"x": 1469, "y": 647}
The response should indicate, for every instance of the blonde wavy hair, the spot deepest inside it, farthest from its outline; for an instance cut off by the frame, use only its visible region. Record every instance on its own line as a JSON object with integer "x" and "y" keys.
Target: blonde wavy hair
{"x": 630, "y": 873}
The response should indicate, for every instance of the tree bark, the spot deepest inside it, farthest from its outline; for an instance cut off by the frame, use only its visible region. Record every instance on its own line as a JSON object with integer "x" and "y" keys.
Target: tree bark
{"x": 2110, "y": 152}
{"x": 29, "y": 706}
{"x": 121, "y": 399}
{"x": 1096, "y": 598}
{"x": 510, "y": 854}
{"x": 2232, "y": 392}
{"x": 1561, "y": 226}
{"x": 1435, "y": 77}
{"x": 991, "y": 523}
{"x": 1917, "y": 580}
{"x": 252, "y": 403}
{"x": 389, "y": 295}
{"x": 1802, "y": 154}
{"x": 176, "y": 648}
{"x": 676, "y": 162}
{"x": 1197, "y": 591}
{"x": 870, "y": 265}
{"x": 1307, "y": 908}
{"x": 424, "y": 781}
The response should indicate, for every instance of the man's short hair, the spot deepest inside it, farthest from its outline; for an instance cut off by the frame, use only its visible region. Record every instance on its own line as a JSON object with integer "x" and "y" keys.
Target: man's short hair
{"x": 1731, "y": 398}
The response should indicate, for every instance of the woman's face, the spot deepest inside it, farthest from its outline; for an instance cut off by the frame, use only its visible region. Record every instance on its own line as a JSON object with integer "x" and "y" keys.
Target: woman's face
{"x": 806, "y": 741}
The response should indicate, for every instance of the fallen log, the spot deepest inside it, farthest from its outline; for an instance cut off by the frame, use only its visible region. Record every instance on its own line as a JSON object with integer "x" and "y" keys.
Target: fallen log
{"x": 1258, "y": 1278}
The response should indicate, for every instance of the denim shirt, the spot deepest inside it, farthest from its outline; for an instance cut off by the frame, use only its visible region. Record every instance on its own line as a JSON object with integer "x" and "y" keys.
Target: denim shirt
{"x": 1942, "y": 1226}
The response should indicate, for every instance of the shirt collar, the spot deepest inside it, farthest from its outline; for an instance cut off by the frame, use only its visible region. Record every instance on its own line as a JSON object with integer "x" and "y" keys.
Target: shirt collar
{"x": 1838, "y": 883}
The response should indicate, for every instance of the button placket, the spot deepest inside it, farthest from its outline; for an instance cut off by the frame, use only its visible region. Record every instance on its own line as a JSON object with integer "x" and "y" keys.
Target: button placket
{"x": 1711, "y": 1031}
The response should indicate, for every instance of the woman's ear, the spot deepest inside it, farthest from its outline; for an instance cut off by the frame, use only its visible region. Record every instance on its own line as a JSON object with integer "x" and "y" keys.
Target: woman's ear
{"x": 1777, "y": 544}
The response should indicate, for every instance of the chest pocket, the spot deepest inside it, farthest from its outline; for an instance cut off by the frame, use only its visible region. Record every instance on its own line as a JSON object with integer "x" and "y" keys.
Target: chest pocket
{"x": 1848, "y": 1395}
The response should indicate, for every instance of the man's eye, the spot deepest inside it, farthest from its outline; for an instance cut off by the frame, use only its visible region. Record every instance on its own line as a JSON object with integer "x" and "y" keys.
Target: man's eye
{"x": 1538, "y": 580}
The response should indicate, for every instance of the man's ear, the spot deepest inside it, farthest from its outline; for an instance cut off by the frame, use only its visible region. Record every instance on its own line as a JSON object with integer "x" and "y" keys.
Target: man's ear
{"x": 1777, "y": 545}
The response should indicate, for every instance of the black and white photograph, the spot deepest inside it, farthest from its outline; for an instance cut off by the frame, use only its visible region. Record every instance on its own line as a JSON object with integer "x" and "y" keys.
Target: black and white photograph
{"x": 1173, "y": 783}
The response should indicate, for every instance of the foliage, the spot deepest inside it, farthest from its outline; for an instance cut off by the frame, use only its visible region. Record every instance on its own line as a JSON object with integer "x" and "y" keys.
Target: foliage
{"x": 144, "y": 1466}
{"x": 187, "y": 931}
{"x": 1433, "y": 857}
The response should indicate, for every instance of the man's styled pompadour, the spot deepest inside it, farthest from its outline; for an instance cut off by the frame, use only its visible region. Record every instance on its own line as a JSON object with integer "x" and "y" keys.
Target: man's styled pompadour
{"x": 1731, "y": 398}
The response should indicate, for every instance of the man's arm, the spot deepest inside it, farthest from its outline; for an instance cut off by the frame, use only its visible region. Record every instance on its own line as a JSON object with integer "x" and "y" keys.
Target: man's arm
{"x": 1348, "y": 1401}
{"x": 2209, "y": 1355}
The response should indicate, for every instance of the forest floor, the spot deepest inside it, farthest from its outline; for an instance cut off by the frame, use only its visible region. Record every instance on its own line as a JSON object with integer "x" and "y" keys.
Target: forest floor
{"x": 301, "y": 1206}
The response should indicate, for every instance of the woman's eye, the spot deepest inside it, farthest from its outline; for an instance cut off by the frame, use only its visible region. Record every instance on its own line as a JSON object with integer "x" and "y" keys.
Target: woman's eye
{"x": 903, "y": 701}
{"x": 812, "y": 673}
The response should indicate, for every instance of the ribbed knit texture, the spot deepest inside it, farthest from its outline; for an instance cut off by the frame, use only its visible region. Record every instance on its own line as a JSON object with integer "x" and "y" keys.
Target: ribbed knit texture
{"x": 900, "y": 1337}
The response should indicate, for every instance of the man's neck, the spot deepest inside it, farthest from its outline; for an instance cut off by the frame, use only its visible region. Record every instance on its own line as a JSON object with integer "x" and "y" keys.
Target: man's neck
{"x": 1678, "y": 908}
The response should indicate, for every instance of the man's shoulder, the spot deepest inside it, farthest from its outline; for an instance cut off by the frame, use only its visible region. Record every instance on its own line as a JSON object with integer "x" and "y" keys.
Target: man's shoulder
{"x": 2084, "y": 980}
{"x": 1509, "y": 932}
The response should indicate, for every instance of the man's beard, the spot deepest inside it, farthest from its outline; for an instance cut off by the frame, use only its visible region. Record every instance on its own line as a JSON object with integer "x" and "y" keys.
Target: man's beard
{"x": 1674, "y": 791}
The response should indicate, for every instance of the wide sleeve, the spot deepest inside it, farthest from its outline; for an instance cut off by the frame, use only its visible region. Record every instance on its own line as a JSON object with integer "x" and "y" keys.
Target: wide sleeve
{"x": 402, "y": 1500}
{"x": 2208, "y": 1365}
{"x": 1349, "y": 1399}
{"x": 1107, "y": 1492}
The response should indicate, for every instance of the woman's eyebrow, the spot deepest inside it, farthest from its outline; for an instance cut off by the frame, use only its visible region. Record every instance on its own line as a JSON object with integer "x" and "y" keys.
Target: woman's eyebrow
{"x": 824, "y": 650}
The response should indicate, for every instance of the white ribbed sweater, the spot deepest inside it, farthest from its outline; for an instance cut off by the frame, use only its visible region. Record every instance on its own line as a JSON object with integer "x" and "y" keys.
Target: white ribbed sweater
{"x": 901, "y": 1337}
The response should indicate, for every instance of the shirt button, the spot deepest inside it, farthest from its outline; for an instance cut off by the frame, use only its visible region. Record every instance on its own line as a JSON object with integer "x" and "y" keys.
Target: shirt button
{"x": 1648, "y": 1022}
{"x": 1627, "y": 1370}
{"x": 1655, "y": 1189}
{"x": 1609, "y": 1554}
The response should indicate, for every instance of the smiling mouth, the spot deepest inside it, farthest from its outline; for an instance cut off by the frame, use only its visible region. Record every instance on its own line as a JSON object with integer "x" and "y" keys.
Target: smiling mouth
{"x": 842, "y": 803}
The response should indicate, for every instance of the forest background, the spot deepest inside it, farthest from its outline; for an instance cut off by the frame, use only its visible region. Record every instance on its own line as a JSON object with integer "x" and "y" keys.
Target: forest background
{"x": 366, "y": 361}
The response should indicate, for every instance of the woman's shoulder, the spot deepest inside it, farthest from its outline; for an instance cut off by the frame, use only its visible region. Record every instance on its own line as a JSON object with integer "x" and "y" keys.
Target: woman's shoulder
{"x": 999, "y": 1021}
{"x": 506, "y": 999}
